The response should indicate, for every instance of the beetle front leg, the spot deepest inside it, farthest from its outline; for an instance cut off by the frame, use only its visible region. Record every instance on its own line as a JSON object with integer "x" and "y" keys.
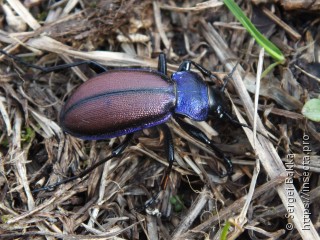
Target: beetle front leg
{"x": 200, "y": 136}
{"x": 115, "y": 153}
{"x": 208, "y": 73}
{"x": 185, "y": 66}
{"x": 202, "y": 69}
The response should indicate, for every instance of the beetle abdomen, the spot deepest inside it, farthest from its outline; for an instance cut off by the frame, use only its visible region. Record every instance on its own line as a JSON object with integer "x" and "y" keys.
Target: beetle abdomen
{"x": 118, "y": 102}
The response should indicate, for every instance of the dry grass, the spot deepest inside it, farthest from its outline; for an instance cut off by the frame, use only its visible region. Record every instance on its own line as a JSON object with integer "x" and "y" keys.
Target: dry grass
{"x": 255, "y": 199}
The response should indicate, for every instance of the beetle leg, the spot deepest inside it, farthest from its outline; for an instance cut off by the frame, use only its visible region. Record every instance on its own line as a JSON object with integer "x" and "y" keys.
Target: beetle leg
{"x": 169, "y": 151}
{"x": 203, "y": 70}
{"x": 185, "y": 66}
{"x": 55, "y": 68}
{"x": 200, "y": 136}
{"x": 162, "y": 63}
{"x": 207, "y": 73}
{"x": 94, "y": 65}
{"x": 115, "y": 153}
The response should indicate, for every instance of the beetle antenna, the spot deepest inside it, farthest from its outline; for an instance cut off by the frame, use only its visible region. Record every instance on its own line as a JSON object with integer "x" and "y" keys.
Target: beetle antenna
{"x": 242, "y": 125}
{"x": 228, "y": 77}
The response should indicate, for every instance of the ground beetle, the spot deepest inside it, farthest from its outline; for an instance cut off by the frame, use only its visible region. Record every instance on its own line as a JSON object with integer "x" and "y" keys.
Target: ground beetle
{"x": 123, "y": 101}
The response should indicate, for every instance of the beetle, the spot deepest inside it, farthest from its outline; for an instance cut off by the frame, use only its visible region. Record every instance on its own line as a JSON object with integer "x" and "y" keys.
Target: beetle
{"x": 123, "y": 101}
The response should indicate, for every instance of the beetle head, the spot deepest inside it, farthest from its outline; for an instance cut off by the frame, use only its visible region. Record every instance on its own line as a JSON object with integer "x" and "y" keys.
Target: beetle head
{"x": 219, "y": 106}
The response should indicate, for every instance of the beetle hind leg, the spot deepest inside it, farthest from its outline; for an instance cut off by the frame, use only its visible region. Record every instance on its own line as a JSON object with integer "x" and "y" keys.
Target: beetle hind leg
{"x": 115, "y": 153}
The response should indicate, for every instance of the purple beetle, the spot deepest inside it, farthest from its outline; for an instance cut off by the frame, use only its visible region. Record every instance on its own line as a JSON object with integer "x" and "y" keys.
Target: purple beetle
{"x": 123, "y": 101}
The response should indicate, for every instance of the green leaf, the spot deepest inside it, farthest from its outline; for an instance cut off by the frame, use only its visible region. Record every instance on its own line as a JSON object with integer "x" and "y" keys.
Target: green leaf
{"x": 173, "y": 200}
{"x": 311, "y": 110}
{"x": 177, "y": 202}
{"x": 225, "y": 230}
{"x": 178, "y": 208}
{"x": 27, "y": 135}
{"x": 270, "y": 48}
